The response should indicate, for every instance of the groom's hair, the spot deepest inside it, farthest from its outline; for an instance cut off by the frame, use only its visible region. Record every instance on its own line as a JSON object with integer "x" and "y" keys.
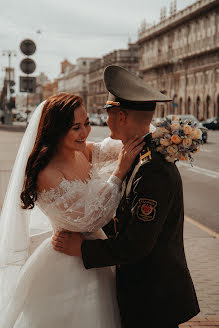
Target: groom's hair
{"x": 141, "y": 117}
{"x": 56, "y": 120}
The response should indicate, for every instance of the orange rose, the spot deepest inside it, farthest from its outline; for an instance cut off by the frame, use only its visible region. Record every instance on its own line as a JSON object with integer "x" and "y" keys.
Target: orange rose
{"x": 176, "y": 139}
{"x": 164, "y": 130}
{"x": 196, "y": 134}
{"x": 172, "y": 149}
{"x": 196, "y": 151}
{"x": 187, "y": 129}
{"x": 165, "y": 142}
{"x": 187, "y": 142}
{"x": 175, "y": 126}
{"x": 182, "y": 157}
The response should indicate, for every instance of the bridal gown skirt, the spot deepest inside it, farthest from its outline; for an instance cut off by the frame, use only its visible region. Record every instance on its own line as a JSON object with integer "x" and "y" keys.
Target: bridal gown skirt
{"x": 55, "y": 290}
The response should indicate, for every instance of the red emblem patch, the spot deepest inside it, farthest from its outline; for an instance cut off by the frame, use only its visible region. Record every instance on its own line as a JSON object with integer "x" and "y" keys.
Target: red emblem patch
{"x": 146, "y": 209}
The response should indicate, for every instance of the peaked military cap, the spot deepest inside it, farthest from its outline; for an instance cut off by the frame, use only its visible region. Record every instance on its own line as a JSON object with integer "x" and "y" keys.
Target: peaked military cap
{"x": 128, "y": 91}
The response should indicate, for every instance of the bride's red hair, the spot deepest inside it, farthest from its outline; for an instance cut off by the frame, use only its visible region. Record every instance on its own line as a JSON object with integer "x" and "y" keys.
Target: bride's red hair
{"x": 56, "y": 120}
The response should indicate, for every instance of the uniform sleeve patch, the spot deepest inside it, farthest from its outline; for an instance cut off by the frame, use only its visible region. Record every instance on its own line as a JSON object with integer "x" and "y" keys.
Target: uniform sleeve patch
{"x": 146, "y": 209}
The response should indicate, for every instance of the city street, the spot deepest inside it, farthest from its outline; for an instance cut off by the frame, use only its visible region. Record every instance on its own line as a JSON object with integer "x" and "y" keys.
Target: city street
{"x": 201, "y": 182}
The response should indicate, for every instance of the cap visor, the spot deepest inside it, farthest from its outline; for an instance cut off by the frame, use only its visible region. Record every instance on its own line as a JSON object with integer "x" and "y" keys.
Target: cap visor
{"x": 109, "y": 106}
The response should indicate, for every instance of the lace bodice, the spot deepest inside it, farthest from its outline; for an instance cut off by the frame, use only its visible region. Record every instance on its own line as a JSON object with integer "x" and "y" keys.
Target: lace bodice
{"x": 86, "y": 206}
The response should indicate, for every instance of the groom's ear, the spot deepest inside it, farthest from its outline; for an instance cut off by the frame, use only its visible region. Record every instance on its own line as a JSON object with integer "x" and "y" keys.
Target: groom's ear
{"x": 123, "y": 116}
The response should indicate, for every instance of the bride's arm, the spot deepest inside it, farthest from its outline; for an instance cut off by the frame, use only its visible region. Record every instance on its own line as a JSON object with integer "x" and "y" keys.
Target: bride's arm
{"x": 82, "y": 207}
{"x": 88, "y": 206}
{"x": 106, "y": 150}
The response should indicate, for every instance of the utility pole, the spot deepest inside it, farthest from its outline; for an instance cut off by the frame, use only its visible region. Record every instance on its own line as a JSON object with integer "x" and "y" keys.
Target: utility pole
{"x": 10, "y": 83}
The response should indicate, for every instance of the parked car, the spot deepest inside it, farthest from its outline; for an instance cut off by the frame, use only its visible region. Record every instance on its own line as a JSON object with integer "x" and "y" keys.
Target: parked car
{"x": 103, "y": 118}
{"x": 212, "y": 124}
{"x": 94, "y": 119}
{"x": 21, "y": 117}
{"x": 193, "y": 119}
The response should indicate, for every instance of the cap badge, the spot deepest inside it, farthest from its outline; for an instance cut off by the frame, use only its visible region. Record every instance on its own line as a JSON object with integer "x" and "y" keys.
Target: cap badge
{"x": 114, "y": 103}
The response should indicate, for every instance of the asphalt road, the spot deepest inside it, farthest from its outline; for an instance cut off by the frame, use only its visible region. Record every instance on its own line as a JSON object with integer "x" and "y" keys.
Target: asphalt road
{"x": 201, "y": 182}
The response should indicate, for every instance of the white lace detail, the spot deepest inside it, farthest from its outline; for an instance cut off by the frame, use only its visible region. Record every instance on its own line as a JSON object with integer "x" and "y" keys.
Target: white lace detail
{"x": 106, "y": 151}
{"x": 86, "y": 206}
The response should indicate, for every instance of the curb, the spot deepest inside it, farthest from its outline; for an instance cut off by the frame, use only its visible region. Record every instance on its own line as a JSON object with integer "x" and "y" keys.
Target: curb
{"x": 13, "y": 128}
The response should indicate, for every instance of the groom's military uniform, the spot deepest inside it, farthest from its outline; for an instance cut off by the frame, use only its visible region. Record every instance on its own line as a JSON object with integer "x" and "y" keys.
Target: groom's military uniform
{"x": 154, "y": 286}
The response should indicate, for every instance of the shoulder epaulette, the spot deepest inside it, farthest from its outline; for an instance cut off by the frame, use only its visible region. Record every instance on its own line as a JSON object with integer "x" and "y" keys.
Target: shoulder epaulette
{"x": 146, "y": 156}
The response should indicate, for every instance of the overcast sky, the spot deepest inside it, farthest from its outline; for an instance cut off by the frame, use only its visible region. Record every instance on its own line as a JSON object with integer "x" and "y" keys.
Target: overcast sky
{"x": 71, "y": 29}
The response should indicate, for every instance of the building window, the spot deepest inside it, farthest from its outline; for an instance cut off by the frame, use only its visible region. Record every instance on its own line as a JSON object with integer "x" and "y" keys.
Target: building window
{"x": 198, "y": 107}
{"x": 217, "y": 111}
{"x": 180, "y": 106}
{"x": 189, "y": 106}
{"x": 208, "y": 100}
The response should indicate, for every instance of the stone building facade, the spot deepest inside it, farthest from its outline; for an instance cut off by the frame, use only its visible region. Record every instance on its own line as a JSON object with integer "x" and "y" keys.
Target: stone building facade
{"x": 50, "y": 89}
{"x": 97, "y": 94}
{"x": 180, "y": 57}
{"x": 74, "y": 78}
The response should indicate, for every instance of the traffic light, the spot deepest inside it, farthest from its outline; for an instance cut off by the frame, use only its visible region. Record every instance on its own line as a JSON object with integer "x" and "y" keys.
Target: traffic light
{"x": 28, "y": 66}
{"x": 27, "y": 84}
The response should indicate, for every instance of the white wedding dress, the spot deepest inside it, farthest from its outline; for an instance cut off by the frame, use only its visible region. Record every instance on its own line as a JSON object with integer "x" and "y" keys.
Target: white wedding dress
{"x": 53, "y": 289}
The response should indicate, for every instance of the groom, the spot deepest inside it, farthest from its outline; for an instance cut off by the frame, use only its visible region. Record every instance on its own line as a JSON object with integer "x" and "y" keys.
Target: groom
{"x": 154, "y": 287}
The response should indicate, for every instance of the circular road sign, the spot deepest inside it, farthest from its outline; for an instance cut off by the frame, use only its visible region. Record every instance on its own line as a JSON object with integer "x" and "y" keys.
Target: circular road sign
{"x": 28, "y": 47}
{"x": 11, "y": 83}
{"x": 28, "y": 66}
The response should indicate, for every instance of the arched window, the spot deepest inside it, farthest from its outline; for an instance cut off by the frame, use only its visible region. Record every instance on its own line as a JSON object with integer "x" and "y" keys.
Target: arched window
{"x": 175, "y": 104}
{"x": 217, "y": 110}
{"x": 208, "y": 100}
{"x": 162, "y": 111}
{"x": 198, "y": 107}
{"x": 180, "y": 106}
{"x": 189, "y": 106}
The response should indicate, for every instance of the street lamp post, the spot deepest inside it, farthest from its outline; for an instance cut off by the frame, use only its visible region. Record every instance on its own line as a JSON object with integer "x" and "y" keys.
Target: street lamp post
{"x": 8, "y": 116}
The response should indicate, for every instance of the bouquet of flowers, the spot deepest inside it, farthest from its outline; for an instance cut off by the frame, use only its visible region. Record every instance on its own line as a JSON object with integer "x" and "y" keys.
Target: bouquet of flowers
{"x": 177, "y": 139}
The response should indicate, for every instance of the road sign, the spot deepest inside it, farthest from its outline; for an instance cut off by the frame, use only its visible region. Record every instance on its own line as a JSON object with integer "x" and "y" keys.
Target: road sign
{"x": 28, "y": 66}
{"x": 27, "y": 84}
{"x": 11, "y": 83}
{"x": 28, "y": 47}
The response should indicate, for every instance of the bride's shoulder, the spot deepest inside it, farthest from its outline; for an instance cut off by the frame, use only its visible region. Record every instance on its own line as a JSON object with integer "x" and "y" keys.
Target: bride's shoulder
{"x": 49, "y": 178}
{"x": 89, "y": 150}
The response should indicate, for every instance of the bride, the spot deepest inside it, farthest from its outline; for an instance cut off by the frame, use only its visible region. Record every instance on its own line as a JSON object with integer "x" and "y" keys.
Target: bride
{"x": 76, "y": 184}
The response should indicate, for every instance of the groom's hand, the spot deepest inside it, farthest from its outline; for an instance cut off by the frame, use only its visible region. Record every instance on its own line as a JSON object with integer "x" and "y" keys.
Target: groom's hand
{"x": 68, "y": 242}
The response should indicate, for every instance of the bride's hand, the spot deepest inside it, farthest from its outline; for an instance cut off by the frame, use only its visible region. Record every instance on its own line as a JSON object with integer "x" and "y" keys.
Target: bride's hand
{"x": 127, "y": 156}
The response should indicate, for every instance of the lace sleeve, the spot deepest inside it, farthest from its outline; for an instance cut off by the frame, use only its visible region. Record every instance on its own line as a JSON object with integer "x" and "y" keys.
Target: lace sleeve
{"x": 82, "y": 207}
{"x": 107, "y": 150}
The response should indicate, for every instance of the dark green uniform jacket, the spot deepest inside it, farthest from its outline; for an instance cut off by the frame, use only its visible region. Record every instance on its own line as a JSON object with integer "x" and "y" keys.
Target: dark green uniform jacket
{"x": 154, "y": 285}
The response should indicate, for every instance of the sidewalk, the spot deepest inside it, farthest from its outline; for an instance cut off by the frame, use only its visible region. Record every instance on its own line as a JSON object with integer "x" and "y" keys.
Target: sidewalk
{"x": 202, "y": 253}
{"x": 202, "y": 322}
{"x": 15, "y": 127}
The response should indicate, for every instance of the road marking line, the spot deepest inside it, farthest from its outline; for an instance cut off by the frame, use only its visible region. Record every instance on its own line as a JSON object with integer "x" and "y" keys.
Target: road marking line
{"x": 197, "y": 169}
{"x": 202, "y": 227}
